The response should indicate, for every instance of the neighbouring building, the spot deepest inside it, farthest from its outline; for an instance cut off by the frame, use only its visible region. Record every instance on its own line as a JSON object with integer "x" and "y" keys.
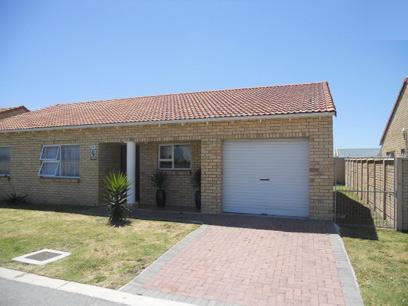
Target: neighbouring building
{"x": 357, "y": 152}
{"x": 394, "y": 140}
{"x": 263, "y": 150}
{"x": 6, "y": 112}
{"x": 341, "y": 154}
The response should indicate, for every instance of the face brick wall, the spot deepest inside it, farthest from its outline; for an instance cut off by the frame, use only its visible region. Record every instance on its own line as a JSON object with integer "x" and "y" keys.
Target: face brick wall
{"x": 394, "y": 142}
{"x": 25, "y": 164}
{"x": 12, "y": 112}
{"x": 179, "y": 183}
{"x": 207, "y": 138}
{"x": 373, "y": 177}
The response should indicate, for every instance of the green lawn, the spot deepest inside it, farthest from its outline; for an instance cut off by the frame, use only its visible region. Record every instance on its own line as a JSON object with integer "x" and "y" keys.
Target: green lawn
{"x": 380, "y": 263}
{"x": 100, "y": 255}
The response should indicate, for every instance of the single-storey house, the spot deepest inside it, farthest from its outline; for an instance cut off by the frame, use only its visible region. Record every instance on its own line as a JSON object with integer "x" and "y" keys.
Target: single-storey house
{"x": 263, "y": 150}
{"x": 6, "y": 112}
{"x": 394, "y": 141}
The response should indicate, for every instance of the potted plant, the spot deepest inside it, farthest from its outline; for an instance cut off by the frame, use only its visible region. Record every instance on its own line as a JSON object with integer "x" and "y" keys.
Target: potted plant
{"x": 197, "y": 184}
{"x": 116, "y": 189}
{"x": 158, "y": 178}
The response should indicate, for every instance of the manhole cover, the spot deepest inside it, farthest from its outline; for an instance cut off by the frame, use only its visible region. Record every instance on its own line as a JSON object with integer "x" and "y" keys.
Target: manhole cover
{"x": 42, "y": 257}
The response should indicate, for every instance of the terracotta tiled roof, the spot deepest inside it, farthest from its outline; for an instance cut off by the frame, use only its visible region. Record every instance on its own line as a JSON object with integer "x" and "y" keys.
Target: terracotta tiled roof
{"x": 6, "y": 109}
{"x": 244, "y": 102}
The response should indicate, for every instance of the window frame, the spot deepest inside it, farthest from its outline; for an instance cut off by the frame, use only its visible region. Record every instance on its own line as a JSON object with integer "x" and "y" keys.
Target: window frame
{"x": 57, "y": 161}
{"x": 172, "y": 145}
{"x": 390, "y": 154}
{"x": 9, "y": 161}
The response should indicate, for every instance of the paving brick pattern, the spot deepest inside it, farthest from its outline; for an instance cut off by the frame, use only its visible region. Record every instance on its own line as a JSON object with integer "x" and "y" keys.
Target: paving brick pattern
{"x": 246, "y": 266}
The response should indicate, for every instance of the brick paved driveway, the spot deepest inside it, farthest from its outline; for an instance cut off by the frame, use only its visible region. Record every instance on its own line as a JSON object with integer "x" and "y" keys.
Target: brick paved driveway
{"x": 248, "y": 266}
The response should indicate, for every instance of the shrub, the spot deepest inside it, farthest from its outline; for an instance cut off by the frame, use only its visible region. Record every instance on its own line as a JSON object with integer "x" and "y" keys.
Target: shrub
{"x": 13, "y": 198}
{"x": 116, "y": 188}
{"x": 158, "y": 179}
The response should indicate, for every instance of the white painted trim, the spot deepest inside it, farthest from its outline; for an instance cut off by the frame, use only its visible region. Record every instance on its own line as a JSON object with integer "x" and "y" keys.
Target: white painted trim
{"x": 181, "y": 121}
{"x": 24, "y": 258}
{"x": 50, "y": 146}
{"x": 57, "y": 161}
{"x": 60, "y": 177}
{"x": 43, "y": 162}
{"x": 131, "y": 171}
{"x": 172, "y": 155}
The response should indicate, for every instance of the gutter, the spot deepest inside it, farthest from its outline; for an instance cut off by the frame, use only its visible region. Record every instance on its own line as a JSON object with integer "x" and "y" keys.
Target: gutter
{"x": 181, "y": 121}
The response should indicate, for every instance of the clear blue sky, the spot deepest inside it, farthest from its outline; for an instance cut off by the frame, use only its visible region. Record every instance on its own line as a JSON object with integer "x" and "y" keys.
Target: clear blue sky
{"x": 85, "y": 50}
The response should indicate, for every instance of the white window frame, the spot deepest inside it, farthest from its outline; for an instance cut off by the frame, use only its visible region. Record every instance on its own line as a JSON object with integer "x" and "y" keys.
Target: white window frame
{"x": 390, "y": 154}
{"x": 7, "y": 174}
{"x": 57, "y": 161}
{"x": 172, "y": 145}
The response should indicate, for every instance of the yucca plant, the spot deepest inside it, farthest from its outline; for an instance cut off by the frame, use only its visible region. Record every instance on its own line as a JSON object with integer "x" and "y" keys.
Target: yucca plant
{"x": 116, "y": 189}
{"x": 14, "y": 198}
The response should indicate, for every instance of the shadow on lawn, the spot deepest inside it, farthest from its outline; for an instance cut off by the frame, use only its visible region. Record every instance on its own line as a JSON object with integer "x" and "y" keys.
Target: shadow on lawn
{"x": 354, "y": 218}
{"x": 361, "y": 232}
{"x": 276, "y": 223}
{"x": 73, "y": 209}
{"x": 82, "y": 210}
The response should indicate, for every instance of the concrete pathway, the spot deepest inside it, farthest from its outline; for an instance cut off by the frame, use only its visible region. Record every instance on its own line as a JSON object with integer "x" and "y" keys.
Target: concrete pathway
{"x": 263, "y": 261}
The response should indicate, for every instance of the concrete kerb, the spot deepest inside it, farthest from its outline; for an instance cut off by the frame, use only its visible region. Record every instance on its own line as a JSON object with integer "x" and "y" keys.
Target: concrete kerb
{"x": 348, "y": 280}
{"x": 126, "y": 294}
{"x": 86, "y": 290}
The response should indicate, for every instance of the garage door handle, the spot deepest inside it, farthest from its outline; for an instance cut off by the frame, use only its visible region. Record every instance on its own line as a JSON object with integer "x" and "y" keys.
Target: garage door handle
{"x": 264, "y": 179}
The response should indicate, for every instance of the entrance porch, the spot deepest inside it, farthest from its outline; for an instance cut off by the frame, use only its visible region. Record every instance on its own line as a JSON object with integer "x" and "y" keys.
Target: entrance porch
{"x": 177, "y": 161}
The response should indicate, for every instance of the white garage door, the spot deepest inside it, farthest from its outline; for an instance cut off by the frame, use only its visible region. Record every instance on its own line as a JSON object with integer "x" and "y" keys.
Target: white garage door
{"x": 267, "y": 177}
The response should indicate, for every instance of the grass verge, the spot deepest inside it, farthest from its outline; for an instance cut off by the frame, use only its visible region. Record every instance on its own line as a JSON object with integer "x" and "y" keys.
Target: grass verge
{"x": 381, "y": 264}
{"x": 100, "y": 255}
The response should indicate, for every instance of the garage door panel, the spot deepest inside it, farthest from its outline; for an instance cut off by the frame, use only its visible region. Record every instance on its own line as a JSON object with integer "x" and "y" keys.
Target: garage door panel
{"x": 285, "y": 166}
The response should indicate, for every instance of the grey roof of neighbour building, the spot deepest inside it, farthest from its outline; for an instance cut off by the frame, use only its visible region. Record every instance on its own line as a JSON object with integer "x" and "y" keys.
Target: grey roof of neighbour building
{"x": 357, "y": 152}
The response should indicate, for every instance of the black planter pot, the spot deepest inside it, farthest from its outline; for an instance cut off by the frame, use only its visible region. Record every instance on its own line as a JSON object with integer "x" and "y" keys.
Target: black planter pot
{"x": 197, "y": 198}
{"x": 160, "y": 198}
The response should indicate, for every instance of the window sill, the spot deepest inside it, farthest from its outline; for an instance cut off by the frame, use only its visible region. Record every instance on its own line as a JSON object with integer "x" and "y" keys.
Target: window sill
{"x": 61, "y": 178}
{"x": 176, "y": 172}
{"x": 173, "y": 169}
{"x": 7, "y": 176}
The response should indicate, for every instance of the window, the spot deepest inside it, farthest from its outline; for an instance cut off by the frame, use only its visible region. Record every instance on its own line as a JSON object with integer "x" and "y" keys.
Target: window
{"x": 4, "y": 161}
{"x": 390, "y": 154}
{"x": 175, "y": 157}
{"x": 59, "y": 161}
